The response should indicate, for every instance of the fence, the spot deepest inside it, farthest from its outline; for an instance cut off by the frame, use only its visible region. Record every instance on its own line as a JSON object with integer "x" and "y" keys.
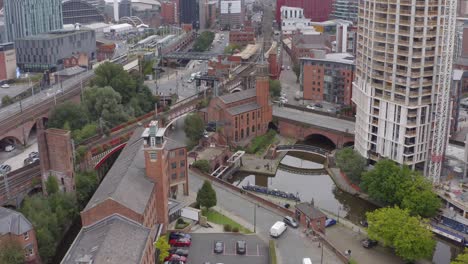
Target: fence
{"x": 302, "y": 108}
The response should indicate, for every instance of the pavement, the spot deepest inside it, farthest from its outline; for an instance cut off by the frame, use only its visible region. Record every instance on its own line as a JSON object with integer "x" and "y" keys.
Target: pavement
{"x": 292, "y": 246}
{"x": 314, "y": 119}
{"x": 201, "y": 249}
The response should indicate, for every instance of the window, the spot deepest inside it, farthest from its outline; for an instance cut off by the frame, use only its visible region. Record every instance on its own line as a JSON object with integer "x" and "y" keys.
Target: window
{"x": 236, "y": 136}
{"x": 172, "y": 154}
{"x": 182, "y": 163}
{"x": 173, "y": 165}
{"x": 253, "y": 128}
{"x": 29, "y": 251}
{"x": 153, "y": 155}
{"x": 26, "y": 235}
{"x": 174, "y": 176}
{"x": 236, "y": 122}
{"x": 181, "y": 152}
{"x": 182, "y": 174}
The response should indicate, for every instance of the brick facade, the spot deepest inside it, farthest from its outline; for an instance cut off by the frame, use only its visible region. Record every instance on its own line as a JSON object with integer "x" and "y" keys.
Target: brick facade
{"x": 242, "y": 37}
{"x": 108, "y": 208}
{"x": 28, "y": 242}
{"x": 310, "y": 218}
{"x": 169, "y": 13}
{"x": 7, "y": 61}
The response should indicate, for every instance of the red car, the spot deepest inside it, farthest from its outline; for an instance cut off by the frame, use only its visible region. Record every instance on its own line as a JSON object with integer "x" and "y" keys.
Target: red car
{"x": 173, "y": 257}
{"x": 183, "y": 242}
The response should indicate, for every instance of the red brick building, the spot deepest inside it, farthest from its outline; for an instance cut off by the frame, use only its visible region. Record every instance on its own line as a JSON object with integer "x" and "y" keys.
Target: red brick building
{"x": 242, "y": 37}
{"x": 169, "y": 12}
{"x": 81, "y": 60}
{"x": 14, "y": 227}
{"x": 136, "y": 189}
{"x": 309, "y": 46}
{"x": 310, "y": 217}
{"x": 329, "y": 78}
{"x": 246, "y": 114}
{"x": 316, "y": 10}
{"x": 7, "y": 61}
{"x": 104, "y": 50}
{"x": 273, "y": 56}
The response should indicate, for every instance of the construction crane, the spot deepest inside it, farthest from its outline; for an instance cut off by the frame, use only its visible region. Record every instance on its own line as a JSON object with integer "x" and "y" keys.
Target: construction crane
{"x": 441, "y": 116}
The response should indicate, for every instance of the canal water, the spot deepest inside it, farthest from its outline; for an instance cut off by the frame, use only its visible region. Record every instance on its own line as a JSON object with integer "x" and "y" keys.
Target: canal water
{"x": 327, "y": 196}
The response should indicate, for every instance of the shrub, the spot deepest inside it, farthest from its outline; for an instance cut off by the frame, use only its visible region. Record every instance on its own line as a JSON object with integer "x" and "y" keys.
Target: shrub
{"x": 180, "y": 221}
{"x": 235, "y": 229}
{"x": 203, "y": 165}
{"x": 272, "y": 251}
{"x": 227, "y": 228}
{"x": 259, "y": 143}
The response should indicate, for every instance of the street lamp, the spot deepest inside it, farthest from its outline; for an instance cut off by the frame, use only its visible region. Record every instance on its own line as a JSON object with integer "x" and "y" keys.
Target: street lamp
{"x": 339, "y": 208}
{"x": 255, "y": 217}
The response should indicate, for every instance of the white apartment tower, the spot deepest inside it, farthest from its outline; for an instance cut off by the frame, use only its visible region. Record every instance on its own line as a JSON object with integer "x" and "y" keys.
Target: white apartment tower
{"x": 402, "y": 84}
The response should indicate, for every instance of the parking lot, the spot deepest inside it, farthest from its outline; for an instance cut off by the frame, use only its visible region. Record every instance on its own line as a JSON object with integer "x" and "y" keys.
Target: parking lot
{"x": 201, "y": 250}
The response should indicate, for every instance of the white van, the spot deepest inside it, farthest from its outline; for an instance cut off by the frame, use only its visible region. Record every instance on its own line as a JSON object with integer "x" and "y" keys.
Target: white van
{"x": 306, "y": 261}
{"x": 277, "y": 229}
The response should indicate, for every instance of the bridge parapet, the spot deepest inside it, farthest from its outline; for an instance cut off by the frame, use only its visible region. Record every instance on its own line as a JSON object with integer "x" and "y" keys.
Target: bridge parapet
{"x": 304, "y": 148}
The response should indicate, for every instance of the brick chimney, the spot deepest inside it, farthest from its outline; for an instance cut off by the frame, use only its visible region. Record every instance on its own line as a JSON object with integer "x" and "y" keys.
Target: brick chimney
{"x": 156, "y": 166}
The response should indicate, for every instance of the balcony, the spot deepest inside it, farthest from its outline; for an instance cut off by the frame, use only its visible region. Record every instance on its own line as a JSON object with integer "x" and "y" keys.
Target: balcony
{"x": 379, "y": 58}
{"x": 426, "y": 101}
{"x": 410, "y": 133}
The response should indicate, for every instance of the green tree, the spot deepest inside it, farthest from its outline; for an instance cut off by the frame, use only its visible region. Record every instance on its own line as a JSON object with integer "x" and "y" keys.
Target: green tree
{"x": 395, "y": 227}
{"x": 86, "y": 184}
{"x": 461, "y": 258}
{"x": 105, "y": 103}
{"x": 69, "y": 116}
{"x": 275, "y": 88}
{"x": 11, "y": 253}
{"x": 384, "y": 181}
{"x": 351, "y": 163}
{"x": 6, "y": 100}
{"x": 297, "y": 70}
{"x": 163, "y": 247}
{"x": 52, "y": 185}
{"x": 194, "y": 127}
{"x": 113, "y": 75}
{"x": 419, "y": 197}
{"x": 203, "y": 42}
{"x": 231, "y": 48}
{"x": 85, "y": 132}
{"x": 203, "y": 165}
{"x": 206, "y": 196}
{"x": 80, "y": 153}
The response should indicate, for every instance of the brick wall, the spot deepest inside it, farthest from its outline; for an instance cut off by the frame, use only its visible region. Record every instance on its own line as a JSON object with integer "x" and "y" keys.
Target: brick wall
{"x": 105, "y": 209}
{"x": 178, "y": 175}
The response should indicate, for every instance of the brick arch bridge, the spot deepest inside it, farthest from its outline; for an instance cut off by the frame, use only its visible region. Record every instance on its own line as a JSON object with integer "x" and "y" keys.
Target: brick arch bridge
{"x": 300, "y": 131}
{"x": 22, "y": 132}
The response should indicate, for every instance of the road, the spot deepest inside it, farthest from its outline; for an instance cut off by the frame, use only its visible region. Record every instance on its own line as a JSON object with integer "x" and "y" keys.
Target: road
{"x": 292, "y": 245}
{"x": 314, "y": 119}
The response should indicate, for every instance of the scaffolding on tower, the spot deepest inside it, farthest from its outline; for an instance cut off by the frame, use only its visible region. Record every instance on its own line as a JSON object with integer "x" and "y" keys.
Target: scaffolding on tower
{"x": 441, "y": 116}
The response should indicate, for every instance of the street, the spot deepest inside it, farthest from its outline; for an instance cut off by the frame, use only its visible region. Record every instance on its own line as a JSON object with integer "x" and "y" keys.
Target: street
{"x": 292, "y": 245}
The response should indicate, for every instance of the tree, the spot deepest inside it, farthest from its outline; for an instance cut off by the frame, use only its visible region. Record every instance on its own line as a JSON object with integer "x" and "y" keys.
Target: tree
{"x": 86, "y": 184}
{"x": 163, "y": 247}
{"x": 194, "y": 127}
{"x": 461, "y": 258}
{"x": 104, "y": 105}
{"x": 113, "y": 75}
{"x": 206, "y": 196}
{"x": 203, "y": 165}
{"x": 418, "y": 196}
{"x": 52, "y": 185}
{"x": 231, "y": 48}
{"x": 275, "y": 88}
{"x": 351, "y": 163}
{"x": 11, "y": 253}
{"x": 394, "y": 227}
{"x": 85, "y": 132}
{"x": 6, "y": 100}
{"x": 203, "y": 42}
{"x": 69, "y": 116}
{"x": 297, "y": 70}
{"x": 384, "y": 181}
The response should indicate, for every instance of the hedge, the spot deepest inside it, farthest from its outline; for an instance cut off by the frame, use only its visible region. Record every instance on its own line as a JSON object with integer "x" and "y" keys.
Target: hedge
{"x": 272, "y": 249}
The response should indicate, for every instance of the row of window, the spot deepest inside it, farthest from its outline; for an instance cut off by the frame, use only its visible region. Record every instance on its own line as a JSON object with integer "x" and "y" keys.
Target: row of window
{"x": 181, "y": 175}
{"x": 172, "y": 154}
{"x": 247, "y": 132}
{"x": 174, "y": 164}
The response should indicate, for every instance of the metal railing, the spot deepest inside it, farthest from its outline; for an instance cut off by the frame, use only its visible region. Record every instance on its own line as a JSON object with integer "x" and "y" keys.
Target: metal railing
{"x": 305, "y": 148}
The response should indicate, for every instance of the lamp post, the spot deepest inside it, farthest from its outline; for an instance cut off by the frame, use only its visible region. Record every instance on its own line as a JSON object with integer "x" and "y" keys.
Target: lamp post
{"x": 255, "y": 217}
{"x": 339, "y": 208}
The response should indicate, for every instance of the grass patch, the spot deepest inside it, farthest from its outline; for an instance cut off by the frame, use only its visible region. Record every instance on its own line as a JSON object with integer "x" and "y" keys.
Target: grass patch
{"x": 260, "y": 143}
{"x": 272, "y": 250}
{"x": 220, "y": 219}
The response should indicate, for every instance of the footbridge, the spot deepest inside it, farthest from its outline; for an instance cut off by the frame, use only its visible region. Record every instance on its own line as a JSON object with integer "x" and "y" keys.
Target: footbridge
{"x": 232, "y": 164}
{"x": 303, "y": 148}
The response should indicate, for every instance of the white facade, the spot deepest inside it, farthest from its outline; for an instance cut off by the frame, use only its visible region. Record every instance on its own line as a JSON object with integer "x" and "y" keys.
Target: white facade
{"x": 398, "y": 85}
{"x": 292, "y": 20}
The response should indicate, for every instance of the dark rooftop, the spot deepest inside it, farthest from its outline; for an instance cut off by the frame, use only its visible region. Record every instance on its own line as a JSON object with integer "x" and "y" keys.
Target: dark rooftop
{"x": 243, "y": 108}
{"x": 310, "y": 211}
{"x": 115, "y": 239}
{"x": 234, "y": 97}
{"x": 13, "y": 222}
{"x": 126, "y": 182}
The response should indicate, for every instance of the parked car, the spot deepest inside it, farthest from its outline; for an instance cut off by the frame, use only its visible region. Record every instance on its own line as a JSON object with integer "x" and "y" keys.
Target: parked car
{"x": 172, "y": 257}
{"x": 330, "y": 222}
{"x": 289, "y": 68}
{"x": 318, "y": 105}
{"x": 364, "y": 223}
{"x": 179, "y": 251}
{"x": 290, "y": 221}
{"x": 241, "y": 247}
{"x": 9, "y": 148}
{"x": 28, "y": 161}
{"x": 34, "y": 154}
{"x": 310, "y": 106}
{"x": 182, "y": 242}
{"x": 4, "y": 168}
{"x": 277, "y": 229}
{"x": 218, "y": 247}
{"x": 179, "y": 235}
{"x": 6, "y": 85}
{"x": 174, "y": 262}
{"x": 283, "y": 100}
{"x": 369, "y": 243}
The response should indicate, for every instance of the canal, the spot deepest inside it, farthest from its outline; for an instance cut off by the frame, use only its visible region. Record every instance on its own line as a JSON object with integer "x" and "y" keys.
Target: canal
{"x": 322, "y": 190}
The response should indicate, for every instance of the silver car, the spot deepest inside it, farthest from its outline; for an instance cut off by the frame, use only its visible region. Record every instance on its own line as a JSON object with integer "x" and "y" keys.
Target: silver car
{"x": 4, "y": 169}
